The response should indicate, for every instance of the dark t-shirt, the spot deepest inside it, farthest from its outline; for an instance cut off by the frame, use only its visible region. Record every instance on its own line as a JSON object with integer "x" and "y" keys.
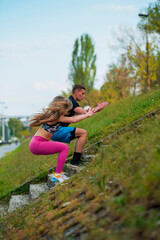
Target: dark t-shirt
{"x": 72, "y": 112}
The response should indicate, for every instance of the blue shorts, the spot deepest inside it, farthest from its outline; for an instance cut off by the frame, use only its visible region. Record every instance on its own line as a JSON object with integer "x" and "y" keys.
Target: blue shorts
{"x": 64, "y": 134}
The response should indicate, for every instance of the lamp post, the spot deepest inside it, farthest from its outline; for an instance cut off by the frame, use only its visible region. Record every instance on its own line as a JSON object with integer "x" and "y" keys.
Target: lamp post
{"x": 143, "y": 15}
{"x": 6, "y": 128}
{"x": 2, "y": 122}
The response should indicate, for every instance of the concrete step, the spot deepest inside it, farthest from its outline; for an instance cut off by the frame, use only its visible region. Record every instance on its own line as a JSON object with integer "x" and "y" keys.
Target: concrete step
{"x": 88, "y": 158}
{"x": 71, "y": 170}
{"x": 17, "y": 201}
{"x": 3, "y": 209}
{"x": 37, "y": 189}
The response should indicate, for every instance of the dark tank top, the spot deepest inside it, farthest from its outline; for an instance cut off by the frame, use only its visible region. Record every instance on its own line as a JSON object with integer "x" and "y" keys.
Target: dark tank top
{"x": 50, "y": 128}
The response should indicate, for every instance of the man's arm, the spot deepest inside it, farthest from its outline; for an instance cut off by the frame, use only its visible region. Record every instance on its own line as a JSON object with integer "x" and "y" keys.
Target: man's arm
{"x": 79, "y": 110}
{"x": 100, "y": 106}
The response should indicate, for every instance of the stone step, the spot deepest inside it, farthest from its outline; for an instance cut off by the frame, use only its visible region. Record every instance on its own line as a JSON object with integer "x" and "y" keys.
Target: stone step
{"x": 3, "y": 209}
{"x": 88, "y": 158}
{"x": 71, "y": 170}
{"x": 17, "y": 201}
{"x": 37, "y": 189}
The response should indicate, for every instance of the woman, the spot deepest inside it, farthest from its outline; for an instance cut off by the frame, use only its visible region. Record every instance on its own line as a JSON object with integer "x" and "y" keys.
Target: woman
{"x": 49, "y": 120}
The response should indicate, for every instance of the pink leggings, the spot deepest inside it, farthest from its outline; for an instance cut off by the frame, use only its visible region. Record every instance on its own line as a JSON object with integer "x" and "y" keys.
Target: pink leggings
{"x": 41, "y": 146}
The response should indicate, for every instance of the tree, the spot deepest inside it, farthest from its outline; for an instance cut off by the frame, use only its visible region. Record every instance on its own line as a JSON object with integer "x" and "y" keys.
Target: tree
{"x": 134, "y": 49}
{"x": 15, "y": 126}
{"x": 82, "y": 67}
{"x": 153, "y": 24}
{"x": 117, "y": 82}
{"x": 157, "y": 82}
{"x": 137, "y": 60}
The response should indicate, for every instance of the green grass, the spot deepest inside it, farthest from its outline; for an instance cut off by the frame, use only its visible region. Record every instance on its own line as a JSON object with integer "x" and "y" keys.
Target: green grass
{"x": 20, "y": 165}
{"x": 117, "y": 196}
{"x": 119, "y": 114}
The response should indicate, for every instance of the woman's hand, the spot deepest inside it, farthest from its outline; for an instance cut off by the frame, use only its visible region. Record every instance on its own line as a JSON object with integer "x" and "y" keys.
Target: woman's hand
{"x": 100, "y": 106}
{"x": 90, "y": 112}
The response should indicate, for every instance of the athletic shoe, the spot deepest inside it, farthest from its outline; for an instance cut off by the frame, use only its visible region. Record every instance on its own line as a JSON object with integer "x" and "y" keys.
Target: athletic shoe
{"x": 64, "y": 176}
{"x": 73, "y": 162}
{"x": 81, "y": 163}
{"x": 77, "y": 163}
{"x": 59, "y": 177}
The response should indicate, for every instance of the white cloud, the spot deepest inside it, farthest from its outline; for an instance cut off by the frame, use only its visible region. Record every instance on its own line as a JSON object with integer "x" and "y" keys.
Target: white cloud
{"x": 54, "y": 87}
{"x": 104, "y": 7}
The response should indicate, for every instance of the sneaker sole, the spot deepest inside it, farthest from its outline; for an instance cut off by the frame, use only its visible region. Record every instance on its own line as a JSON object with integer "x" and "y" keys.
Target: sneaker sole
{"x": 54, "y": 179}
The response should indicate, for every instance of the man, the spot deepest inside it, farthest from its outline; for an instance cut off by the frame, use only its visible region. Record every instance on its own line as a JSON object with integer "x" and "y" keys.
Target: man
{"x": 66, "y": 134}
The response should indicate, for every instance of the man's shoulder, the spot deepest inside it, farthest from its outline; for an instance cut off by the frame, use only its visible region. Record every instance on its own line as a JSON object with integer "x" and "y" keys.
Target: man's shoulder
{"x": 75, "y": 103}
{"x": 71, "y": 98}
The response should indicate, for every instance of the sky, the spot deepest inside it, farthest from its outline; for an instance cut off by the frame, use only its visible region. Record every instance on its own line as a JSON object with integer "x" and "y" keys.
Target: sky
{"x": 36, "y": 44}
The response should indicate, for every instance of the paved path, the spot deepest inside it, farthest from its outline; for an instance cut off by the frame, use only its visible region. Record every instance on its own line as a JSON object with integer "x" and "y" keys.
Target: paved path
{"x": 7, "y": 148}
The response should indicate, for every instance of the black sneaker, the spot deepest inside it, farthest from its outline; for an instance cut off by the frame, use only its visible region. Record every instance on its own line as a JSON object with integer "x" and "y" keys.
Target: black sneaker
{"x": 73, "y": 162}
{"x": 77, "y": 163}
{"x": 80, "y": 163}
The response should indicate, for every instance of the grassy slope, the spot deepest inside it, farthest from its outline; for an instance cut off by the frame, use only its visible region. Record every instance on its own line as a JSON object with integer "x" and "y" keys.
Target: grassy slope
{"x": 20, "y": 165}
{"x": 115, "y": 196}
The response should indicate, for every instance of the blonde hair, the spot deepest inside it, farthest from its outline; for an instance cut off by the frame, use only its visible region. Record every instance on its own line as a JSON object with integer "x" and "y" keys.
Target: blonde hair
{"x": 58, "y": 107}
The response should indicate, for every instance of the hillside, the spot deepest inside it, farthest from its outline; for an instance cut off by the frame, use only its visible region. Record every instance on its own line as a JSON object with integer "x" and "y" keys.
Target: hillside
{"x": 20, "y": 165}
{"x": 115, "y": 196}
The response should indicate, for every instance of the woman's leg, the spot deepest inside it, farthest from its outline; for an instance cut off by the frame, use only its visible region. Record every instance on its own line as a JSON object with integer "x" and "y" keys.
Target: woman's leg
{"x": 63, "y": 152}
{"x": 40, "y": 146}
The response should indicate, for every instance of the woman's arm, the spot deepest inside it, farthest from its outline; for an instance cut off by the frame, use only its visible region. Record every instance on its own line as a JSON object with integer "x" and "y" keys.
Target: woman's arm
{"x": 79, "y": 110}
{"x": 100, "y": 107}
{"x": 76, "y": 118}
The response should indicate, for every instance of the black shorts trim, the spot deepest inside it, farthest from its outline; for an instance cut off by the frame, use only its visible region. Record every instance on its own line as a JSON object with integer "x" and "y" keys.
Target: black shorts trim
{"x": 72, "y": 134}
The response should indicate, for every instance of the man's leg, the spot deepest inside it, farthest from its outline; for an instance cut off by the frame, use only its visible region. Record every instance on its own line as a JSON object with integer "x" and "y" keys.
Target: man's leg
{"x": 66, "y": 134}
{"x": 81, "y": 136}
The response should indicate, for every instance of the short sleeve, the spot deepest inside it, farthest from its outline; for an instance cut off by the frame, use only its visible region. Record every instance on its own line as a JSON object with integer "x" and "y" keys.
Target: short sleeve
{"x": 74, "y": 102}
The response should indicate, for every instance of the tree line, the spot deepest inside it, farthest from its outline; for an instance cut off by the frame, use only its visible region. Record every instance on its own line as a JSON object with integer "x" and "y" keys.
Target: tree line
{"x": 126, "y": 76}
{"x": 129, "y": 75}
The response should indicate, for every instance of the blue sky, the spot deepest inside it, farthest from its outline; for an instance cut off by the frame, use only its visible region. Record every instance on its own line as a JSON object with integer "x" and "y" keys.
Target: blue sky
{"x": 36, "y": 44}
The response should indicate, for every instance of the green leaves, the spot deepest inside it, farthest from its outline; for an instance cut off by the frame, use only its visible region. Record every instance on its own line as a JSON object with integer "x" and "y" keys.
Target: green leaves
{"x": 153, "y": 12}
{"x": 82, "y": 67}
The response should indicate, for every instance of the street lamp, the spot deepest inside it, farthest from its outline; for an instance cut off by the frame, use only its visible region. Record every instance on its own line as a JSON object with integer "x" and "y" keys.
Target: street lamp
{"x": 143, "y": 15}
{"x": 2, "y": 121}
